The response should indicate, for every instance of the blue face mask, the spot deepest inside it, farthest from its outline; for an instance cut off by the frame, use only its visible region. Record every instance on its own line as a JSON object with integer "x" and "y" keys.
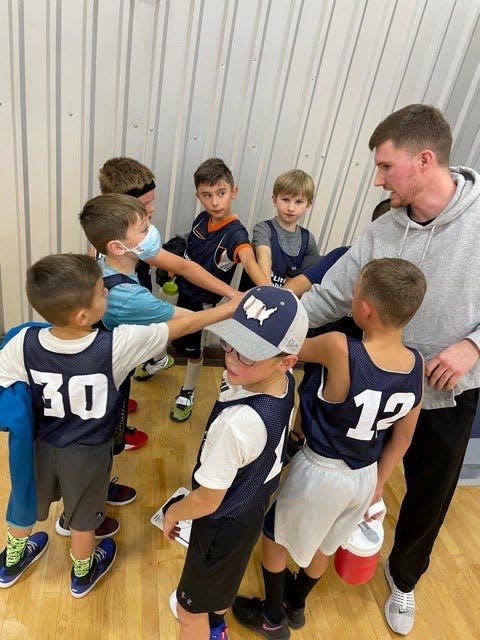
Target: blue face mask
{"x": 149, "y": 246}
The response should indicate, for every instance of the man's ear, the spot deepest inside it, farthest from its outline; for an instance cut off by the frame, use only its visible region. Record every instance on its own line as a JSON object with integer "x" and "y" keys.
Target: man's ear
{"x": 426, "y": 158}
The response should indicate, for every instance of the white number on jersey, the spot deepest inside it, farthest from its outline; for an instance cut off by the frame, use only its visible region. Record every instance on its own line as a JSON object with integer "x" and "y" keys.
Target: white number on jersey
{"x": 369, "y": 400}
{"x": 87, "y": 394}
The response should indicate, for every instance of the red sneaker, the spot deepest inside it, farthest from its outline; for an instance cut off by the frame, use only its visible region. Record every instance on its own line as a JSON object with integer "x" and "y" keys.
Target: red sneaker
{"x": 132, "y": 405}
{"x": 134, "y": 439}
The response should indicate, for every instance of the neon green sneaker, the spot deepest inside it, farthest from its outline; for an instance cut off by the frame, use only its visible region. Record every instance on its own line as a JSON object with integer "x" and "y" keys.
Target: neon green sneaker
{"x": 183, "y": 405}
{"x": 148, "y": 369}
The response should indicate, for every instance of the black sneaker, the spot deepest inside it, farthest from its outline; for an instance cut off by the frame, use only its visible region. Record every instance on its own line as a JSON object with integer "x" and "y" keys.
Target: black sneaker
{"x": 34, "y": 549}
{"x": 120, "y": 494}
{"x": 250, "y": 613}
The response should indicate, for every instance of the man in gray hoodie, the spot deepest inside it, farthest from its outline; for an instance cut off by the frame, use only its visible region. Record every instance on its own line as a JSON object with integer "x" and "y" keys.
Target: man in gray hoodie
{"x": 435, "y": 223}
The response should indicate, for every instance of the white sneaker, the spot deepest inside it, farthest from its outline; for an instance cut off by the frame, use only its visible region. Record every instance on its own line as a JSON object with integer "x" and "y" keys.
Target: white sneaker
{"x": 173, "y": 603}
{"x": 400, "y": 607}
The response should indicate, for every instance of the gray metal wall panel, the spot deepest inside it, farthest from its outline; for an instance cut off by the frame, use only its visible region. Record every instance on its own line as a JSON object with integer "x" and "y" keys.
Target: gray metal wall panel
{"x": 265, "y": 84}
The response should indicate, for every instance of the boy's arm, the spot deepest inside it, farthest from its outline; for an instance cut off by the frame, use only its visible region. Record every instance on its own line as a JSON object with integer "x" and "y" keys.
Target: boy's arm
{"x": 299, "y": 284}
{"x": 191, "y": 271}
{"x": 253, "y": 269}
{"x": 324, "y": 349}
{"x": 192, "y": 322}
{"x": 200, "y": 502}
{"x": 395, "y": 449}
{"x": 263, "y": 254}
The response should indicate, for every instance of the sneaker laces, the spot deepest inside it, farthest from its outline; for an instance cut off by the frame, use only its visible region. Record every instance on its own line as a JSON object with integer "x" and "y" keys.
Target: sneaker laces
{"x": 185, "y": 398}
{"x": 100, "y": 554}
{"x": 404, "y": 601}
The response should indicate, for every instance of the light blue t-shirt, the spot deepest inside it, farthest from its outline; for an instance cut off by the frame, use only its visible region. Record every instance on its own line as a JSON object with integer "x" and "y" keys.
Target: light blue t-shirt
{"x": 132, "y": 304}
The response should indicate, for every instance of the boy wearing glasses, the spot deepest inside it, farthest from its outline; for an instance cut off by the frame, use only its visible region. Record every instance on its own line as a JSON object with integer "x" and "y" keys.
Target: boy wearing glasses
{"x": 240, "y": 459}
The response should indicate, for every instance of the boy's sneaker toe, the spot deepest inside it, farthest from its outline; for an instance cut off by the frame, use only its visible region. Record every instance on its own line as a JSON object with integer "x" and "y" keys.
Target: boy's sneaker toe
{"x": 132, "y": 405}
{"x": 134, "y": 438}
{"x": 36, "y": 546}
{"x": 120, "y": 494}
{"x": 104, "y": 557}
{"x": 183, "y": 406}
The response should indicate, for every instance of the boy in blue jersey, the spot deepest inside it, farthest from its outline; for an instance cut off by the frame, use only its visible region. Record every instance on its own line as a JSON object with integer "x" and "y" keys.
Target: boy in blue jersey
{"x": 359, "y": 411}
{"x": 74, "y": 373}
{"x": 240, "y": 459}
{"x": 218, "y": 241}
{"x": 282, "y": 247}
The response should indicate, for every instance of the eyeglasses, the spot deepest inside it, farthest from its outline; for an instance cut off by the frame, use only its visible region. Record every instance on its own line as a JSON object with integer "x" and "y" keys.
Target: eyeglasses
{"x": 228, "y": 349}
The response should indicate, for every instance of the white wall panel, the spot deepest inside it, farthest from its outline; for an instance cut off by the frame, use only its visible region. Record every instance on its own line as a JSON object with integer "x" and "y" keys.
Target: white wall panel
{"x": 266, "y": 84}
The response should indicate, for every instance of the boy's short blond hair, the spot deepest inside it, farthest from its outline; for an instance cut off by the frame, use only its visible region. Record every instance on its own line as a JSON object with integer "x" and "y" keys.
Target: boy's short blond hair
{"x": 396, "y": 288}
{"x": 294, "y": 183}
{"x": 60, "y": 284}
{"x": 108, "y": 217}
{"x": 122, "y": 175}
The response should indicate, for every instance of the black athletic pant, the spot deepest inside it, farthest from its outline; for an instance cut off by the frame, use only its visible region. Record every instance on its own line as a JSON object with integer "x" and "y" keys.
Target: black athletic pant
{"x": 432, "y": 466}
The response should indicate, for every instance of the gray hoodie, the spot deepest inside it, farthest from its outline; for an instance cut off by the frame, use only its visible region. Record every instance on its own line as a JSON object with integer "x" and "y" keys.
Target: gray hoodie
{"x": 448, "y": 252}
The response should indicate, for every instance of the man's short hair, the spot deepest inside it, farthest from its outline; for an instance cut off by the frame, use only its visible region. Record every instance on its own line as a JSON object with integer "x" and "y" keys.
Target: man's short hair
{"x": 414, "y": 128}
{"x": 108, "y": 217}
{"x": 395, "y": 287}
{"x": 60, "y": 284}
{"x": 122, "y": 175}
{"x": 212, "y": 171}
{"x": 294, "y": 183}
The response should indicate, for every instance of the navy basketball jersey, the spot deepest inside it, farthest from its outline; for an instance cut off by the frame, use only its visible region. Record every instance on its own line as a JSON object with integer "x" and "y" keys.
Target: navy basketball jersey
{"x": 211, "y": 249}
{"x": 283, "y": 265}
{"x": 254, "y": 483}
{"x": 355, "y": 430}
{"x": 74, "y": 396}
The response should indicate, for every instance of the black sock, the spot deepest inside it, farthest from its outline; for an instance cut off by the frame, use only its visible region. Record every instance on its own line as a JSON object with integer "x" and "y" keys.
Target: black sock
{"x": 297, "y": 590}
{"x": 274, "y": 586}
{"x": 215, "y": 619}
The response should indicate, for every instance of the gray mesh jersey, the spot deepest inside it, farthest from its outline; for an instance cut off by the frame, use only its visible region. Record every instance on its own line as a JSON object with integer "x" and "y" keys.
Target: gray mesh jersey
{"x": 355, "y": 430}
{"x": 74, "y": 395}
{"x": 254, "y": 483}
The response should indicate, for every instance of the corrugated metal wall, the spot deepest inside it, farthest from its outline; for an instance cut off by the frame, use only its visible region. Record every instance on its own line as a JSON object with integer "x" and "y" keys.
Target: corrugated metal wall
{"x": 266, "y": 84}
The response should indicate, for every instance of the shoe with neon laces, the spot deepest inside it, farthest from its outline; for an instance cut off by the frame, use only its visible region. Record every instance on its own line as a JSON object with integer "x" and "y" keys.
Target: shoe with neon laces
{"x": 134, "y": 438}
{"x": 36, "y": 546}
{"x": 183, "y": 406}
{"x": 400, "y": 606}
{"x": 120, "y": 494}
{"x": 104, "y": 557}
{"x": 250, "y": 613}
{"x": 109, "y": 527}
{"x": 148, "y": 369}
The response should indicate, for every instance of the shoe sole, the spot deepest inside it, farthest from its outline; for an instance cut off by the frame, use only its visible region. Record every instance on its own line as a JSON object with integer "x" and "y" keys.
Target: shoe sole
{"x": 178, "y": 419}
{"x": 263, "y": 632}
{"x": 85, "y": 593}
{"x": 121, "y": 504}
{"x": 37, "y": 557}
{"x": 66, "y": 532}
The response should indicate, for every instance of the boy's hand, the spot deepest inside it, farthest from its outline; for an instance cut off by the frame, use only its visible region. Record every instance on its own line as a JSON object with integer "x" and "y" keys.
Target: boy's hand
{"x": 171, "y": 530}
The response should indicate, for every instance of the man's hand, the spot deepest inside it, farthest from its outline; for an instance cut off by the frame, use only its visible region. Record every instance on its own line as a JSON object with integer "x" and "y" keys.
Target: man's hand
{"x": 446, "y": 368}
